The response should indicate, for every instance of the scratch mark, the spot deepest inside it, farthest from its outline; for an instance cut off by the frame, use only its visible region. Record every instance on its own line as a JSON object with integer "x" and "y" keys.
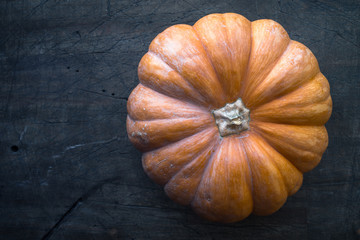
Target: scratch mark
{"x": 85, "y": 144}
{"x": 63, "y": 217}
{"x": 77, "y": 204}
{"x": 96, "y": 27}
{"x": 90, "y": 143}
{"x": 108, "y": 9}
{"x": 8, "y": 100}
{"x": 104, "y": 95}
{"x": 23, "y": 133}
{"x": 196, "y": 8}
{"x": 36, "y": 7}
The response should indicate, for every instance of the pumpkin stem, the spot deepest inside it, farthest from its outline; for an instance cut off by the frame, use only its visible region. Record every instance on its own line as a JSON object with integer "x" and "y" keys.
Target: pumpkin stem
{"x": 233, "y": 118}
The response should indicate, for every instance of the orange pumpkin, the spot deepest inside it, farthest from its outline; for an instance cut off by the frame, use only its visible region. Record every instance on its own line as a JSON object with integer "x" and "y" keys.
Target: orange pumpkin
{"x": 229, "y": 114}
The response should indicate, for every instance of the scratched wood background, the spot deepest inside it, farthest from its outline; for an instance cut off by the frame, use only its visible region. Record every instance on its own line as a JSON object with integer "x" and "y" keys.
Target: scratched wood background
{"x": 67, "y": 168}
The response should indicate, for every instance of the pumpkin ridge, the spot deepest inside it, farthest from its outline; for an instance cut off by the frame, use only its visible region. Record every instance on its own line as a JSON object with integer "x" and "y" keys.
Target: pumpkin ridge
{"x": 246, "y": 90}
{"x": 161, "y": 119}
{"x": 196, "y": 110}
{"x": 309, "y": 103}
{"x": 208, "y": 148}
{"x": 226, "y": 161}
{"x": 296, "y": 147}
{"x": 278, "y": 59}
{"x": 210, "y": 145}
{"x": 199, "y": 108}
{"x": 275, "y": 177}
{"x": 203, "y": 99}
{"x": 216, "y": 148}
{"x": 211, "y": 62}
{"x": 173, "y": 68}
{"x": 242, "y": 149}
{"x": 226, "y": 39}
{"x": 250, "y": 171}
{"x": 280, "y": 121}
{"x": 245, "y": 76}
{"x": 210, "y": 93}
{"x": 290, "y": 90}
{"x": 259, "y": 132}
{"x": 146, "y": 145}
{"x": 247, "y": 65}
{"x": 210, "y": 134}
{"x": 275, "y": 164}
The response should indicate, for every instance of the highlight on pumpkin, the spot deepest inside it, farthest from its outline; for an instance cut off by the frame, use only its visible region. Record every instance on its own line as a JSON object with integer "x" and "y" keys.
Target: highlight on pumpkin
{"x": 229, "y": 114}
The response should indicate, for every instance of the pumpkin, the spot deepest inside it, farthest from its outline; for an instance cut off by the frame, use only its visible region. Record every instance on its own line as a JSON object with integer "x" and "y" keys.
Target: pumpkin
{"x": 229, "y": 114}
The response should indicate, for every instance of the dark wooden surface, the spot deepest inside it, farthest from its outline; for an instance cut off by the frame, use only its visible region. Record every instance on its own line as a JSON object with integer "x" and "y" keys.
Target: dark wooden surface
{"x": 67, "y": 168}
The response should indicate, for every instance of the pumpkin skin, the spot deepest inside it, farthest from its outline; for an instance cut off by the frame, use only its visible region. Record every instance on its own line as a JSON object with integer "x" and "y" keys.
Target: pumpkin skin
{"x": 190, "y": 71}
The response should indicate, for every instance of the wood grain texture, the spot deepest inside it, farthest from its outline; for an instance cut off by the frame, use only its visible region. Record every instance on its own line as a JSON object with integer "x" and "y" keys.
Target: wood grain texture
{"x": 68, "y": 170}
